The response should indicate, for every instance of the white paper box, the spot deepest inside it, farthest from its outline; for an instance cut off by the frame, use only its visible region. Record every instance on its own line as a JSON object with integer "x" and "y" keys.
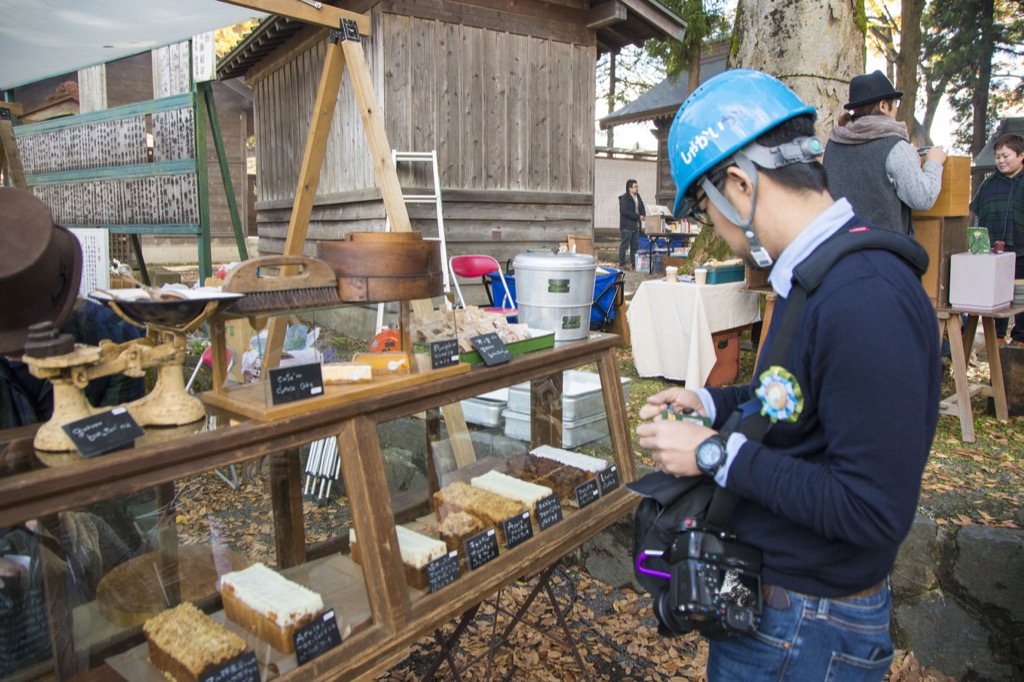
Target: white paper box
{"x": 981, "y": 281}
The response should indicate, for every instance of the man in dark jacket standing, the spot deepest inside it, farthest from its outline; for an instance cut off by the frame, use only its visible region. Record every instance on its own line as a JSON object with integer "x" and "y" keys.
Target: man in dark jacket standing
{"x": 632, "y": 213}
{"x": 999, "y": 205}
{"x": 830, "y": 490}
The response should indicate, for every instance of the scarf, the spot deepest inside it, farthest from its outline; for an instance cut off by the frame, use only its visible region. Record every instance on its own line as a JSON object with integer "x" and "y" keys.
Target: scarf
{"x": 868, "y": 128}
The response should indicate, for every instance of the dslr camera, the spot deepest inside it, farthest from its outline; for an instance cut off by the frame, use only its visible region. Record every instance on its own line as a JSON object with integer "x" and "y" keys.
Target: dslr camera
{"x": 714, "y": 583}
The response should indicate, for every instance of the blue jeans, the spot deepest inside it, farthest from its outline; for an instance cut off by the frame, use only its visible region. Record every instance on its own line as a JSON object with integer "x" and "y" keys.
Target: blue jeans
{"x": 815, "y": 639}
{"x": 628, "y": 239}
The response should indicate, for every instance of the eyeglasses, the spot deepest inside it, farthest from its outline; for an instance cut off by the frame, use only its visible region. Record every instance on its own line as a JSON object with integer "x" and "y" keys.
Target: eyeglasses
{"x": 697, "y": 214}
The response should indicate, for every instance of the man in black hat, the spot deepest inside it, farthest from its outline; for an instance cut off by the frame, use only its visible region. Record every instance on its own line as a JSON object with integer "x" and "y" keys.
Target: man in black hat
{"x": 40, "y": 271}
{"x": 870, "y": 161}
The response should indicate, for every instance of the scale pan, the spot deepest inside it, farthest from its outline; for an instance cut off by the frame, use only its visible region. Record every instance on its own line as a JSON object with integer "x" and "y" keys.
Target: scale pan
{"x": 177, "y": 309}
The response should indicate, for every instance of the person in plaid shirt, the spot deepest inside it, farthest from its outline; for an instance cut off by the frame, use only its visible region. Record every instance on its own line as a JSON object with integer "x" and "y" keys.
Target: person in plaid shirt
{"x": 999, "y": 206}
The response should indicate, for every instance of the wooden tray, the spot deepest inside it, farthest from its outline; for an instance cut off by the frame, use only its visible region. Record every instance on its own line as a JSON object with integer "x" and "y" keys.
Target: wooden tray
{"x": 252, "y": 401}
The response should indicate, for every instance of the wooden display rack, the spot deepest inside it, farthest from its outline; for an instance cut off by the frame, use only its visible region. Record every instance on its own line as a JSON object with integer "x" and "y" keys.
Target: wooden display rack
{"x": 398, "y": 615}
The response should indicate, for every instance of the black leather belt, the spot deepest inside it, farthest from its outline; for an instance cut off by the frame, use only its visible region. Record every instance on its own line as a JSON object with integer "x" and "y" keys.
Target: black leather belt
{"x": 778, "y": 598}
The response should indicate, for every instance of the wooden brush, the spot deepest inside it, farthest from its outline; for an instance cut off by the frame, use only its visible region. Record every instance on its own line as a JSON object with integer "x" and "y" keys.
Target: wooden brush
{"x": 311, "y": 284}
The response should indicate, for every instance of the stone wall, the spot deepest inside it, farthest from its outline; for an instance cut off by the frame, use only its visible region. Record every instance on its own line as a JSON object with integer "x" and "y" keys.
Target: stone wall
{"x": 958, "y": 594}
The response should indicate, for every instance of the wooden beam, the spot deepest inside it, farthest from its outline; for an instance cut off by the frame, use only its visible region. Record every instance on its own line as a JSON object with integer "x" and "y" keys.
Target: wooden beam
{"x": 606, "y": 14}
{"x": 326, "y": 16}
{"x": 662, "y": 19}
{"x": 309, "y": 178}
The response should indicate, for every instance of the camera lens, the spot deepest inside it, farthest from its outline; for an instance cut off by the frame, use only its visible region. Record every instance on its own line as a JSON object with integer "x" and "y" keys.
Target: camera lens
{"x": 671, "y": 623}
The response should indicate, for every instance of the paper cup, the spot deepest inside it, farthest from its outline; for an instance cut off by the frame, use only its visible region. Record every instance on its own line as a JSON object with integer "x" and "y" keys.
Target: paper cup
{"x": 700, "y": 276}
{"x": 671, "y": 273}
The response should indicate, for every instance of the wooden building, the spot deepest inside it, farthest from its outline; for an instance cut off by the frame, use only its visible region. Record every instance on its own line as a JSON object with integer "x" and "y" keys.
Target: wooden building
{"x": 504, "y": 92}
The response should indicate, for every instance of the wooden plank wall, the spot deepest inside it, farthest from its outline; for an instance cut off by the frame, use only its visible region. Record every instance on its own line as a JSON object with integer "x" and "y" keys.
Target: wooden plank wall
{"x": 510, "y": 114}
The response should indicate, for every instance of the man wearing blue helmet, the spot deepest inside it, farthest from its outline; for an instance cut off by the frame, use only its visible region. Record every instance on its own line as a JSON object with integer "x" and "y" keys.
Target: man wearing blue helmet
{"x": 829, "y": 491}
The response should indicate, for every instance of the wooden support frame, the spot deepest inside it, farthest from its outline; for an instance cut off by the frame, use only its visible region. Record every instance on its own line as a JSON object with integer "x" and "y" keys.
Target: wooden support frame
{"x": 345, "y": 53}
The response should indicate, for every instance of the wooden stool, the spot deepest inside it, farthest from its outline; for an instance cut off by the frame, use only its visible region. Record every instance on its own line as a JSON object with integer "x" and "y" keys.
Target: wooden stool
{"x": 959, "y": 404}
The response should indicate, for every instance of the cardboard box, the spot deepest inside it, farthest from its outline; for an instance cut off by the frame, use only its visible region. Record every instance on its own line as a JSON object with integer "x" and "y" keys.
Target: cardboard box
{"x": 237, "y": 334}
{"x": 581, "y": 243}
{"x": 981, "y": 281}
{"x": 941, "y": 238}
{"x": 955, "y": 195}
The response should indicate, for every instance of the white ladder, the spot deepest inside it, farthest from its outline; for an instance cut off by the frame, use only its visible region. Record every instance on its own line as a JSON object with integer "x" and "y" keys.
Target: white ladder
{"x": 432, "y": 198}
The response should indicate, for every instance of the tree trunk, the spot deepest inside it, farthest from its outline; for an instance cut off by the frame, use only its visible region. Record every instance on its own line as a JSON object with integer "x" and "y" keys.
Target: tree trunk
{"x": 907, "y": 60}
{"x": 813, "y": 46}
{"x": 693, "y": 70}
{"x": 979, "y": 98}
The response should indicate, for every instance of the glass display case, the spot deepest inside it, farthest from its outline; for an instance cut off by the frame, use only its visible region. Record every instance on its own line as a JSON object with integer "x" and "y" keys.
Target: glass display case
{"x": 400, "y": 508}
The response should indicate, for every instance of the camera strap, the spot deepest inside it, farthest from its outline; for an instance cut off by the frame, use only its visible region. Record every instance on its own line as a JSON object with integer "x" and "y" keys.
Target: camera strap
{"x": 748, "y": 418}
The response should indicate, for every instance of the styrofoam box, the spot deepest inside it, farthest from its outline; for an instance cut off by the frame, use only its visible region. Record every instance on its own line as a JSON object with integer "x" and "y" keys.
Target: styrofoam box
{"x": 574, "y": 433}
{"x": 581, "y": 395}
{"x": 485, "y": 409}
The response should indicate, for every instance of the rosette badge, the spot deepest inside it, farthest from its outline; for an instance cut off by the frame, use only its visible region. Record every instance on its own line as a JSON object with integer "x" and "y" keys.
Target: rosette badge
{"x": 780, "y": 395}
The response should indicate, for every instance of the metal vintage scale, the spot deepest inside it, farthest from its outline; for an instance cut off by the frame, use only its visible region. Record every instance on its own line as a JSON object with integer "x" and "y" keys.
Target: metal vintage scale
{"x": 167, "y": 316}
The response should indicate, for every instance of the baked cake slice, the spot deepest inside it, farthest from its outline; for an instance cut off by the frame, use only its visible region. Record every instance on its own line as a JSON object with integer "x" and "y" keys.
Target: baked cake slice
{"x": 185, "y": 643}
{"x": 269, "y": 605}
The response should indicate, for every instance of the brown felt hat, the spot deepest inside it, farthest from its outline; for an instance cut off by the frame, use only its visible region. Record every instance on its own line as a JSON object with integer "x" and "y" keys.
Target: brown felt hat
{"x": 870, "y": 88}
{"x": 40, "y": 268}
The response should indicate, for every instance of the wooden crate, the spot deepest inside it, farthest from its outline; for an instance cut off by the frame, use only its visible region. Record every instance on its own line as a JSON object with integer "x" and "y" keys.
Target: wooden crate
{"x": 757, "y": 278}
{"x": 955, "y": 194}
{"x": 941, "y": 238}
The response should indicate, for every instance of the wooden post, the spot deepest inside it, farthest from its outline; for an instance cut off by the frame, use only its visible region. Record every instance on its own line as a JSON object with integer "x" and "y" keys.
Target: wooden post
{"x": 9, "y": 154}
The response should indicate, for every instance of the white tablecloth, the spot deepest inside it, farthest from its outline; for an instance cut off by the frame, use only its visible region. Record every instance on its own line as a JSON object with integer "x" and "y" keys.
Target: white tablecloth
{"x": 671, "y": 323}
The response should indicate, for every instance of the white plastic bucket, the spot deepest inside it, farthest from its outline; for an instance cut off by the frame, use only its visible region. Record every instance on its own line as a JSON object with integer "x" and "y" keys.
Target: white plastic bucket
{"x": 555, "y": 291}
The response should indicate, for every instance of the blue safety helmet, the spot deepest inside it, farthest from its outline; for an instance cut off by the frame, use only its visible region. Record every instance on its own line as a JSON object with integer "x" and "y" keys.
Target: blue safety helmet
{"x": 722, "y": 116}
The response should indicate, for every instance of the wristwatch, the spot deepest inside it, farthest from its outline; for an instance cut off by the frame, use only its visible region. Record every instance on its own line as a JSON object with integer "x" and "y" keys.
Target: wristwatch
{"x": 711, "y": 455}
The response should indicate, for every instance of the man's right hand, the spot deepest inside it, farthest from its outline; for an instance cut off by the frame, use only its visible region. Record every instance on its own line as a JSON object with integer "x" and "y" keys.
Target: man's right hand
{"x": 678, "y": 398}
{"x": 936, "y": 154}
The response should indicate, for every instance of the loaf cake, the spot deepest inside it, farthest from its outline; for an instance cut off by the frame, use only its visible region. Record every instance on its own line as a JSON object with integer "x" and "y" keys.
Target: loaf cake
{"x": 417, "y": 551}
{"x": 134, "y": 591}
{"x": 507, "y": 486}
{"x": 457, "y": 527}
{"x": 591, "y": 465}
{"x": 269, "y": 605}
{"x": 185, "y": 643}
{"x": 564, "y": 480}
{"x": 490, "y": 508}
{"x": 530, "y": 467}
{"x": 346, "y": 373}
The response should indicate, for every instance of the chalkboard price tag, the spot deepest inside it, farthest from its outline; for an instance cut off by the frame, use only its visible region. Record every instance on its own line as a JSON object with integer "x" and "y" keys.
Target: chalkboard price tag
{"x": 491, "y": 348}
{"x": 587, "y": 493}
{"x": 444, "y": 353}
{"x": 241, "y": 668}
{"x": 443, "y": 571}
{"x": 549, "y": 511}
{"x": 288, "y": 384}
{"x": 518, "y": 529}
{"x": 316, "y": 637}
{"x": 609, "y": 479}
{"x": 103, "y": 432}
{"x": 481, "y": 548}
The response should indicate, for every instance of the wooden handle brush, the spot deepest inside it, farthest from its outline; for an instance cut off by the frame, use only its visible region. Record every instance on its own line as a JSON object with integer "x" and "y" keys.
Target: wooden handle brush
{"x": 302, "y": 283}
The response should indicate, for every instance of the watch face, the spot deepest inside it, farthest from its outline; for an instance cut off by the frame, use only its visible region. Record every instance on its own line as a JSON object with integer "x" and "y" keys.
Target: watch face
{"x": 710, "y": 454}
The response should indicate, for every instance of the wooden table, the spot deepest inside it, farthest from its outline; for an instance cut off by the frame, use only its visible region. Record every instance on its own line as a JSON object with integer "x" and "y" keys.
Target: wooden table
{"x": 671, "y": 325}
{"x": 959, "y": 404}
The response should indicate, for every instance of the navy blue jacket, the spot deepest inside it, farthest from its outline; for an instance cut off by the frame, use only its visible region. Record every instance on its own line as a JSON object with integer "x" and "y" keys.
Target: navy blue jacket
{"x": 829, "y": 499}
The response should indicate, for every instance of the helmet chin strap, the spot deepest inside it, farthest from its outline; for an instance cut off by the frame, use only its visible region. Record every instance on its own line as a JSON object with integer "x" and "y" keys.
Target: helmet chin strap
{"x": 757, "y": 251}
